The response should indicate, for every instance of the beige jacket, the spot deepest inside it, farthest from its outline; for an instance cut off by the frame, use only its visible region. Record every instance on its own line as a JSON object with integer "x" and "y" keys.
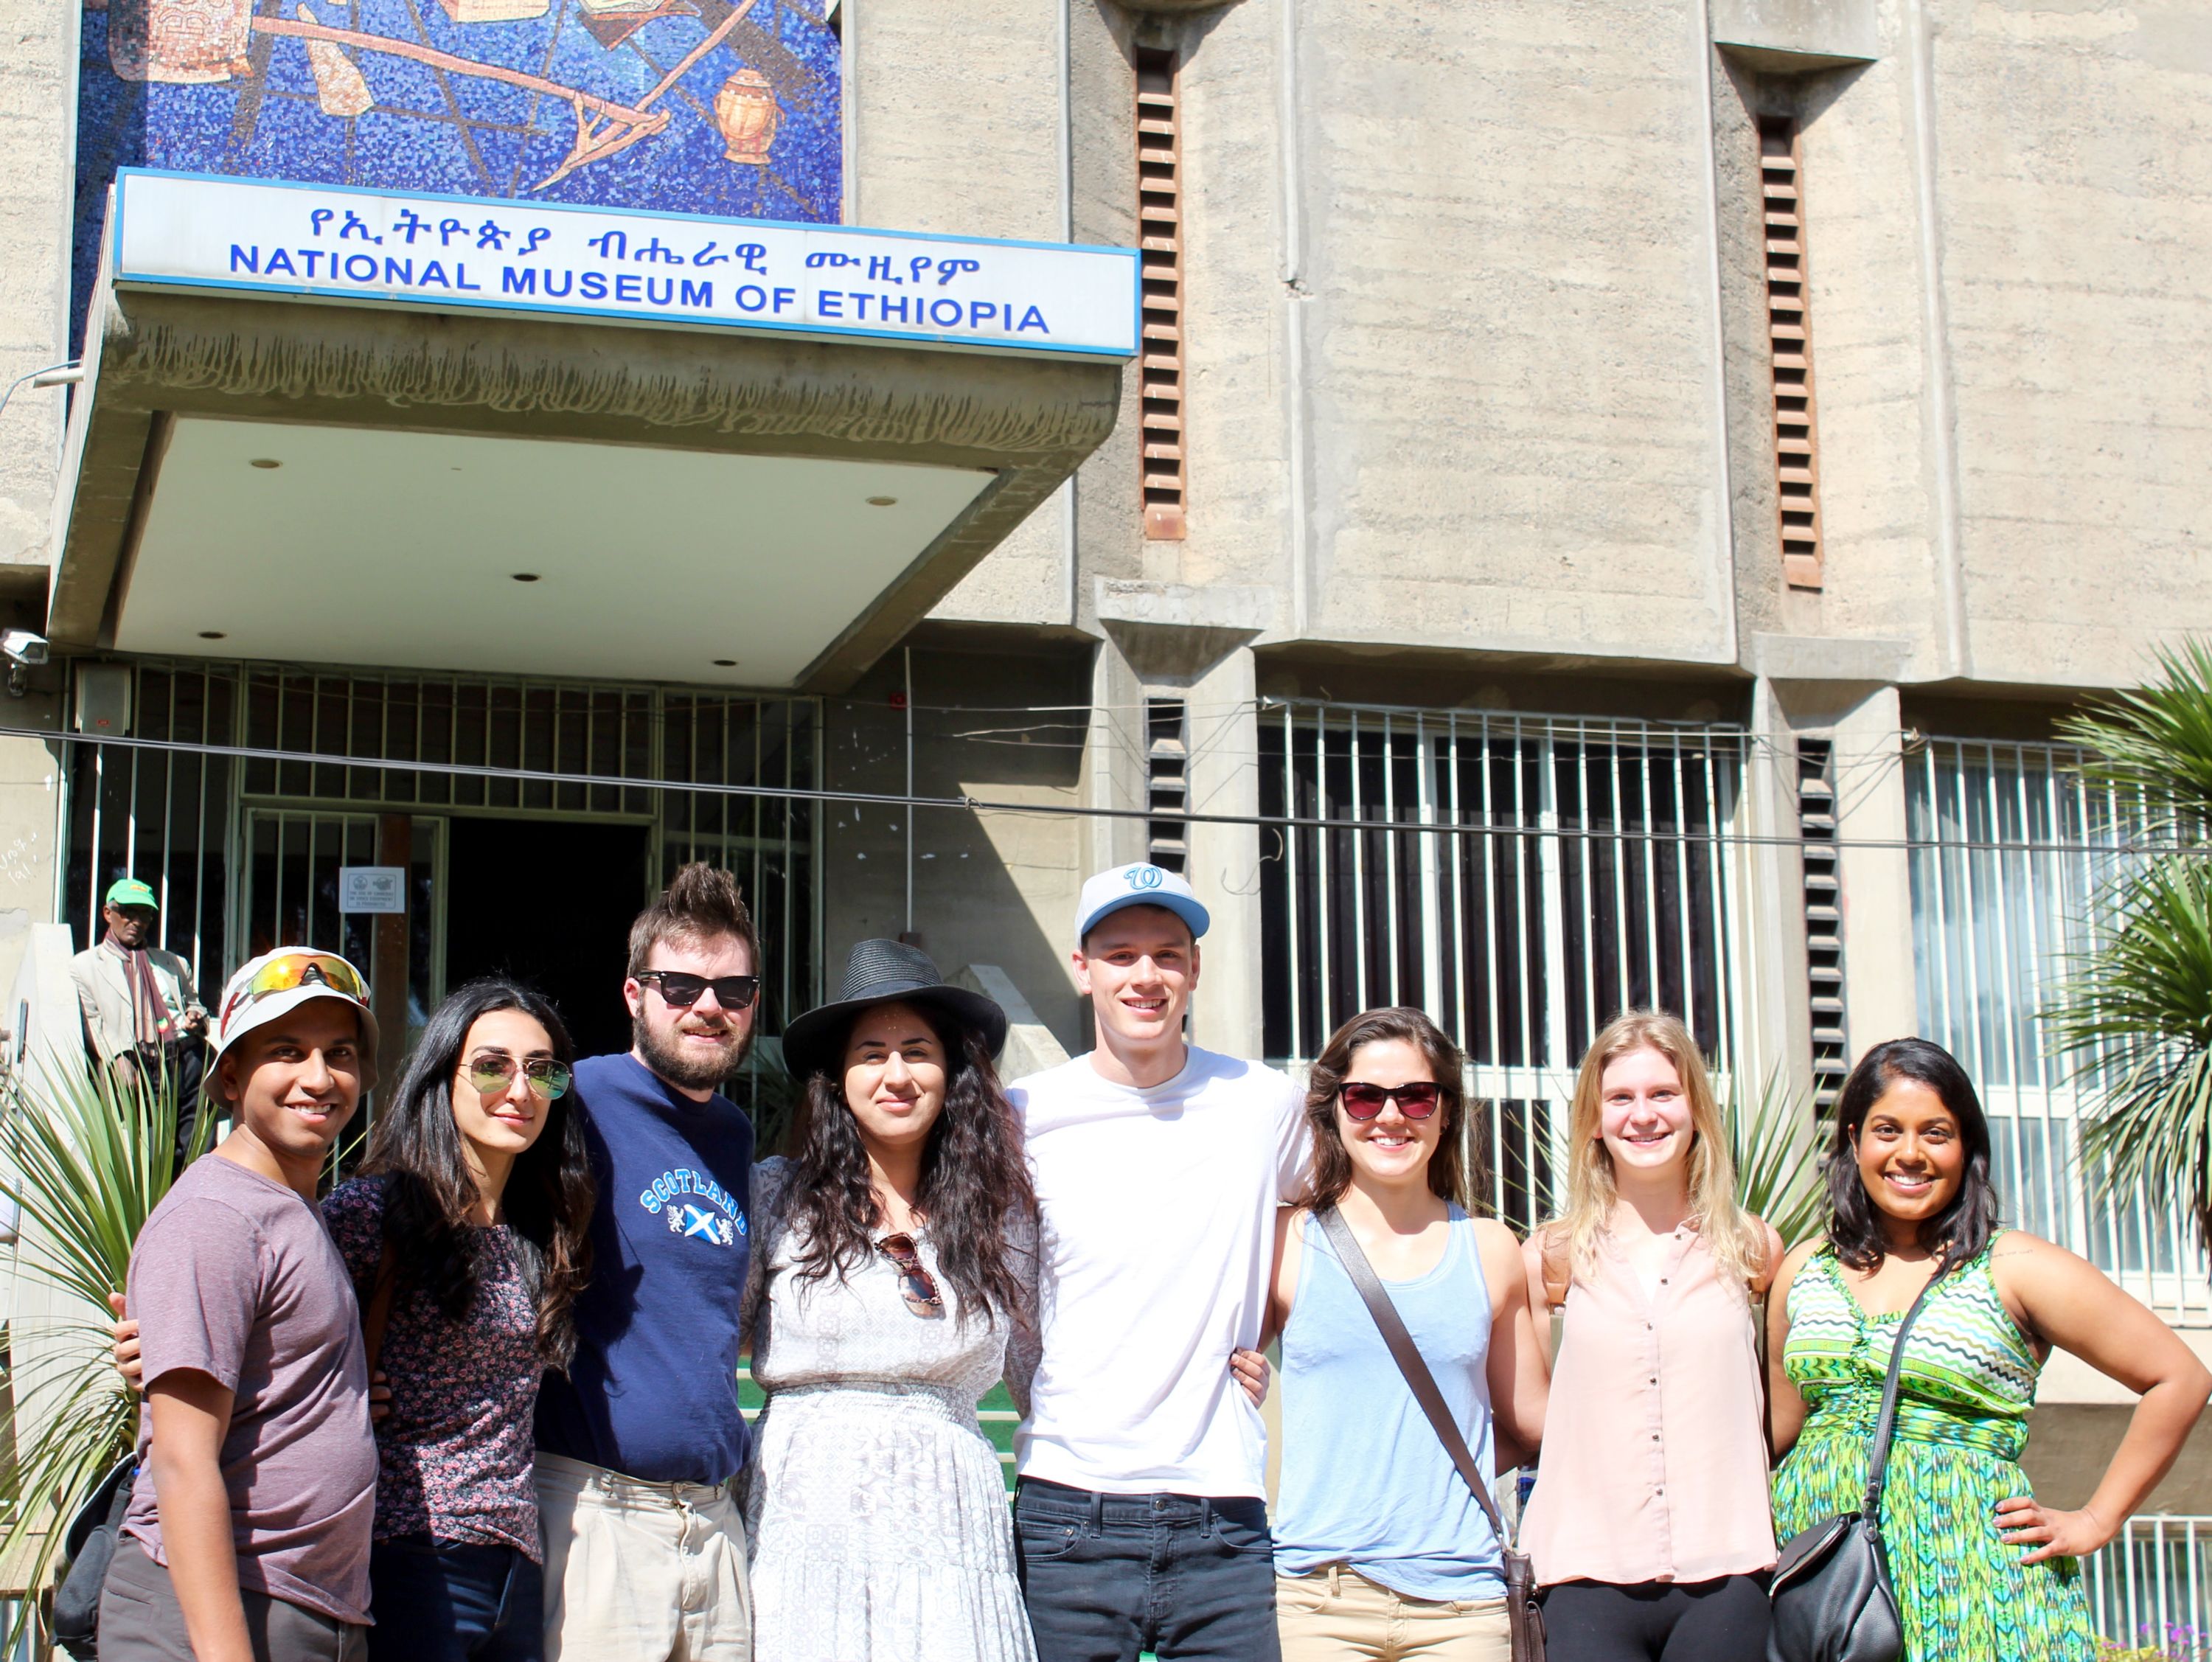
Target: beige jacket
{"x": 103, "y": 992}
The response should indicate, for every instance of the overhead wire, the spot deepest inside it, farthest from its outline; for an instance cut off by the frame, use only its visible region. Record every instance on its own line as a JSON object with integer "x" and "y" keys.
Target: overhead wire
{"x": 972, "y": 804}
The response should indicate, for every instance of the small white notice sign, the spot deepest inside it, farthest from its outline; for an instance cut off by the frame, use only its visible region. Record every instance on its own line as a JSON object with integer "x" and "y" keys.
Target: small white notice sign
{"x": 372, "y": 888}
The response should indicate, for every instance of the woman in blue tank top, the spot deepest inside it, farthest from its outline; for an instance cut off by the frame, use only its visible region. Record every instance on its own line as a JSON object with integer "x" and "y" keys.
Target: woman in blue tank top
{"x": 1382, "y": 1553}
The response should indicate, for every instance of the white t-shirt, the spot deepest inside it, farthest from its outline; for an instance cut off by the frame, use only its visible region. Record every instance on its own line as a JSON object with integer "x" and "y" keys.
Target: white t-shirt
{"x": 1158, "y": 1216}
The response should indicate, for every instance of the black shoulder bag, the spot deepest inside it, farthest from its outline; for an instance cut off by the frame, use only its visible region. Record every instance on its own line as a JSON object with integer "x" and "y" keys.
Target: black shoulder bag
{"x": 1524, "y": 1615}
{"x": 89, "y": 1541}
{"x": 1831, "y": 1591}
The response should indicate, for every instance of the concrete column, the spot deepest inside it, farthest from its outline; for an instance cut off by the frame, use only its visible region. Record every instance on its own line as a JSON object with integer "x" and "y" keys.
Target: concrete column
{"x": 1881, "y": 991}
{"x": 1778, "y": 1023}
{"x": 1224, "y": 860}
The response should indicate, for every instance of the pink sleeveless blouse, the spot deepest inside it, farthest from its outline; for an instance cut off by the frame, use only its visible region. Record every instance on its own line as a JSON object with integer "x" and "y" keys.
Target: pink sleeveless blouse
{"x": 1654, "y": 1464}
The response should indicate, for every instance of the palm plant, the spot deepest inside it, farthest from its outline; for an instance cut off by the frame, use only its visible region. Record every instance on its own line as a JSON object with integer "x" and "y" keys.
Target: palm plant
{"x": 2134, "y": 1016}
{"x": 1777, "y": 1167}
{"x": 84, "y": 1159}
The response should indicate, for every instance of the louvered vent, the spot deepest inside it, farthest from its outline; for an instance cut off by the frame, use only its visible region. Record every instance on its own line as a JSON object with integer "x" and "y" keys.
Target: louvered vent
{"x": 1824, "y": 916}
{"x": 1796, "y": 456}
{"x": 1167, "y": 758}
{"x": 1159, "y": 228}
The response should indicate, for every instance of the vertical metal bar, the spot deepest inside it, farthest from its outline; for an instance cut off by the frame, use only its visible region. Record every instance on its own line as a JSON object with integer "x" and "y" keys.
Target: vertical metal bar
{"x": 1590, "y": 847}
{"x": 1621, "y": 879}
{"x": 1731, "y": 1019}
{"x": 1685, "y": 938}
{"x": 200, "y": 842}
{"x": 790, "y": 857}
{"x": 1360, "y": 995}
{"x": 1392, "y": 941}
{"x": 1323, "y": 867}
{"x": 906, "y": 659}
{"x": 1559, "y": 1047}
{"x": 1652, "y": 843}
{"x": 99, "y": 829}
{"x": 1427, "y": 918}
{"x": 1456, "y": 850}
{"x": 1296, "y": 944}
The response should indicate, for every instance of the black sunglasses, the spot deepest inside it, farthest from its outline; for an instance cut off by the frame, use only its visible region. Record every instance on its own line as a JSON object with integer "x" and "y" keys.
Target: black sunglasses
{"x": 732, "y": 992}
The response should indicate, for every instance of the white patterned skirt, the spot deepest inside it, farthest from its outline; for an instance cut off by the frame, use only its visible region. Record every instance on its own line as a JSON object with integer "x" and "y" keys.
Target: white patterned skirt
{"x": 880, "y": 1531}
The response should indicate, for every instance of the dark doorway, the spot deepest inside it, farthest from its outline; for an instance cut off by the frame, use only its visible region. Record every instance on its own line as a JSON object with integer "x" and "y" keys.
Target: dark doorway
{"x": 550, "y": 905}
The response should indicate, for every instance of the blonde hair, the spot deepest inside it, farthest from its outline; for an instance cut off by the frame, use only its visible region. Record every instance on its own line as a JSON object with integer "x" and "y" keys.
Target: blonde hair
{"x": 1733, "y": 1236}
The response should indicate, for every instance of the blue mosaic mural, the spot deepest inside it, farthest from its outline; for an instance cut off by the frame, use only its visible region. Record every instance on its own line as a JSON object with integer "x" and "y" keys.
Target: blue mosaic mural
{"x": 723, "y": 108}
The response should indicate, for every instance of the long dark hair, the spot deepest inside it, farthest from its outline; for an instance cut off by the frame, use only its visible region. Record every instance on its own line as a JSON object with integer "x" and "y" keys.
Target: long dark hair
{"x": 415, "y": 1148}
{"x": 1448, "y": 1176}
{"x": 975, "y": 1176}
{"x": 1964, "y": 1227}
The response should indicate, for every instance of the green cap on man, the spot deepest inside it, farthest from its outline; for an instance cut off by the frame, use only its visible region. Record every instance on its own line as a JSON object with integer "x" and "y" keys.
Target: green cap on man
{"x": 129, "y": 891}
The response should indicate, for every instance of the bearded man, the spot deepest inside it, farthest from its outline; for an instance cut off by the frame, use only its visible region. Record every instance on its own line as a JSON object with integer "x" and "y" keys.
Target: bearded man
{"x": 645, "y": 1549}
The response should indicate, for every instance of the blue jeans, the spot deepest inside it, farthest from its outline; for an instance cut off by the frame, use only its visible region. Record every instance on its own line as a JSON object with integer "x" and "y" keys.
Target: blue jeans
{"x": 1109, "y": 1575}
{"x": 453, "y": 1601}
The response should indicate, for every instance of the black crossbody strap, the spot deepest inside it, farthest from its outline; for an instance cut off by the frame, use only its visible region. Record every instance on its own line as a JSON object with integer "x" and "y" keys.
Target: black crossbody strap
{"x": 1884, "y": 1427}
{"x": 1409, "y": 1359}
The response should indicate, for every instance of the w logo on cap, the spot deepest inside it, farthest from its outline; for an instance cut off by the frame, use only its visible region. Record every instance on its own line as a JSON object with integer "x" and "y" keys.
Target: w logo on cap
{"x": 1146, "y": 877}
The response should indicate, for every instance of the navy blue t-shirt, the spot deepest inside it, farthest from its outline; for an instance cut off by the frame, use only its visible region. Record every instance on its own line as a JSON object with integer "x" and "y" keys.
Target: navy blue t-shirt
{"x": 653, "y": 1392}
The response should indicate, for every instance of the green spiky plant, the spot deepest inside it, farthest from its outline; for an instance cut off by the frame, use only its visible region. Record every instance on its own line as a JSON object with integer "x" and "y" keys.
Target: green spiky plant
{"x": 2133, "y": 1017}
{"x": 85, "y": 1160}
{"x": 1777, "y": 1165}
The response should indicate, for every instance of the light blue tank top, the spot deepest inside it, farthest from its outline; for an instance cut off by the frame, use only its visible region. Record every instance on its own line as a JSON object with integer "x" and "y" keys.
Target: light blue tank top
{"x": 1364, "y": 1481}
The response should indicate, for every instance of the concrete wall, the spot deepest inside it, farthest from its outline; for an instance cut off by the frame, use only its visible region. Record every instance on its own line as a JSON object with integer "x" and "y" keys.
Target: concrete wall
{"x": 1475, "y": 335}
{"x": 997, "y": 888}
{"x": 2077, "y": 263}
{"x": 38, "y": 47}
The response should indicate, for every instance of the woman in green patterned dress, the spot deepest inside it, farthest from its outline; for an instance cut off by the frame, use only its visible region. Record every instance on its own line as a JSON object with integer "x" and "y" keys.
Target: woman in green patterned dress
{"x": 1984, "y": 1572}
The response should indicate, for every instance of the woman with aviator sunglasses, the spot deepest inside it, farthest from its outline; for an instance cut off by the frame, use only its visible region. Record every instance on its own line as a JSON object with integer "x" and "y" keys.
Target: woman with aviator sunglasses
{"x": 467, "y": 1236}
{"x": 1381, "y": 1547}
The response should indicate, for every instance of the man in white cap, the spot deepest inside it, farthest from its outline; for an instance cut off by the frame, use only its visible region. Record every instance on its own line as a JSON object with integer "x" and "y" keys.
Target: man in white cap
{"x": 1141, "y": 1517}
{"x": 248, "y": 1535}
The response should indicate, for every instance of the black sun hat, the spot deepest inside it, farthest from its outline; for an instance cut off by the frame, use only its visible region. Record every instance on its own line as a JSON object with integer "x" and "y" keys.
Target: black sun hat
{"x": 885, "y": 972}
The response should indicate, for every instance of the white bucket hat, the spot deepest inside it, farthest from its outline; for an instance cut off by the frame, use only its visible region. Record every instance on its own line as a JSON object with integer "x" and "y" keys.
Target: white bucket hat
{"x": 269, "y": 986}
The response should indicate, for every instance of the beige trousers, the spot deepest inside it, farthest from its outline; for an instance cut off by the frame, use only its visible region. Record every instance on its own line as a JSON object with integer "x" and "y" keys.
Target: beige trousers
{"x": 639, "y": 1572}
{"x": 1338, "y": 1615}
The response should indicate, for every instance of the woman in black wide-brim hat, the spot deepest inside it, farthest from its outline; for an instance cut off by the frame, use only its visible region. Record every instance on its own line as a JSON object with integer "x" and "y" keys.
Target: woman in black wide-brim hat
{"x": 894, "y": 1262}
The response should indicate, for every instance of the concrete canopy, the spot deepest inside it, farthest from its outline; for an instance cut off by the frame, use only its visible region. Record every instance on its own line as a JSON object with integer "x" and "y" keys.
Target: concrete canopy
{"x": 744, "y": 470}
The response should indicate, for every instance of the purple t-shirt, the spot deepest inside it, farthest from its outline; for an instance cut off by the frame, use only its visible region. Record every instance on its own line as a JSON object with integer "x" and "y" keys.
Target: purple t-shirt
{"x": 236, "y": 1276}
{"x": 456, "y": 1450}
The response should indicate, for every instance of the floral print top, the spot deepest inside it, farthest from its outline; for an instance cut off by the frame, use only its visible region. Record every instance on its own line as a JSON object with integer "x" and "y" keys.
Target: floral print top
{"x": 454, "y": 1456}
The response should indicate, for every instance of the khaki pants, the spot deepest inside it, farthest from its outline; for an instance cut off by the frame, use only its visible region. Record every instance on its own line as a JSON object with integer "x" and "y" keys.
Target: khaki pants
{"x": 1338, "y": 1615}
{"x": 639, "y": 1572}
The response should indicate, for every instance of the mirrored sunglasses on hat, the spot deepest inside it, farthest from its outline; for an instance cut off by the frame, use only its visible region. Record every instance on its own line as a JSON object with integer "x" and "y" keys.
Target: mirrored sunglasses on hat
{"x": 286, "y": 972}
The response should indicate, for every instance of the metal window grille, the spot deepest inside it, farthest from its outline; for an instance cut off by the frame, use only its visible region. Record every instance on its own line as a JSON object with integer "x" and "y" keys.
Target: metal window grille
{"x": 2151, "y": 1589}
{"x": 1599, "y": 878}
{"x": 2013, "y": 855}
{"x": 195, "y": 825}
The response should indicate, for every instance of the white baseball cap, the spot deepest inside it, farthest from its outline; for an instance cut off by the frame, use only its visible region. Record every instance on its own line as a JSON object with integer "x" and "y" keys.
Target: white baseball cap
{"x": 1141, "y": 884}
{"x": 267, "y": 986}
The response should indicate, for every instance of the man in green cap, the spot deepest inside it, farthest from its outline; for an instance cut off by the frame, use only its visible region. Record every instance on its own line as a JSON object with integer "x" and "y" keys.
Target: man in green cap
{"x": 141, "y": 1019}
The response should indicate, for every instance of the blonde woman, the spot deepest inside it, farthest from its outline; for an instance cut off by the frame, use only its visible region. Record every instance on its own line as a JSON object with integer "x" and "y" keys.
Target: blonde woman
{"x": 1649, "y": 1525}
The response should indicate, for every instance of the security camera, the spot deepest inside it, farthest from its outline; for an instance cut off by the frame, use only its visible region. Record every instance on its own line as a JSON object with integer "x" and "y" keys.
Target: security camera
{"x": 21, "y": 646}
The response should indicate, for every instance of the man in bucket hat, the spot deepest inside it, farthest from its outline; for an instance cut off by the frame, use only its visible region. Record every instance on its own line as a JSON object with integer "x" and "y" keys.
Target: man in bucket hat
{"x": 1141, "y": 1518}
{"x": 248, "y": 1535}
{"x": 141, "y": 1019}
